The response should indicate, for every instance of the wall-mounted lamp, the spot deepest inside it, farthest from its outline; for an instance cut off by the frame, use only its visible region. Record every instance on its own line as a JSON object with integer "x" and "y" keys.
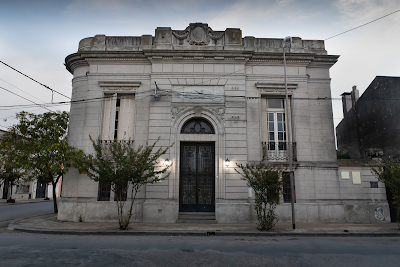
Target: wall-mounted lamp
{"x": 227, "y": 162}
{"x": 167, "y": 162}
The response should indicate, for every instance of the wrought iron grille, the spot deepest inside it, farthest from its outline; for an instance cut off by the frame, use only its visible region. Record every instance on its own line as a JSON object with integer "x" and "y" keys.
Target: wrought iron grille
{"x": 104, "y": 192}
{"x": 197, "y": 126}
{"x": 109, "y": 142}
{"x": 121, "y": 192}
{"x": 278, "y": 151}
{"x": 21, "y": 189}
{"x": 287, "y": 195}
{"x": 197, "y": 177}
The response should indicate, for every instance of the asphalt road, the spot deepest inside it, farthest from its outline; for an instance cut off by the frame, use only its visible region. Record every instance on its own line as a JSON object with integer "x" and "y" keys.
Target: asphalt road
{"x": 22, "y": 249}
{"x": 19, "y": 211}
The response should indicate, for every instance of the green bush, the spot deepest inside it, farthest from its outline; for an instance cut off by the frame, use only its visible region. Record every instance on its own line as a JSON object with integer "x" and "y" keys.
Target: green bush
{"x": 267, "y": 184}
{"x": 341, "y": 155}
{"x": 388, "y": 172}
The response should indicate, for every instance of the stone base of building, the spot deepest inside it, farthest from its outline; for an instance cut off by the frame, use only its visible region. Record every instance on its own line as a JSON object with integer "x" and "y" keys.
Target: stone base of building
{"x": 226, "y": 211}
{"x": 341, "y": 212}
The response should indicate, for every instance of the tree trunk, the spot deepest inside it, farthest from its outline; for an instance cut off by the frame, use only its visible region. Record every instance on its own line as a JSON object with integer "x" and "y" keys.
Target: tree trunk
{"x": 54, "y": 197}
{"x": 11, "y": 188}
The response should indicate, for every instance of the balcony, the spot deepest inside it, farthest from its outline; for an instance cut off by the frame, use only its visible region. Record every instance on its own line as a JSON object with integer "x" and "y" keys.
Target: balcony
{"x": 278, "y": 152}
{"x": 107, "y": 143}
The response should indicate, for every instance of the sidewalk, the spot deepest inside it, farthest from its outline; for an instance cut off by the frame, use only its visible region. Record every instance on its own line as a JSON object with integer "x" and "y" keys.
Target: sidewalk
{"x": 3, "y": 202}
{"x": 48, "y": 224}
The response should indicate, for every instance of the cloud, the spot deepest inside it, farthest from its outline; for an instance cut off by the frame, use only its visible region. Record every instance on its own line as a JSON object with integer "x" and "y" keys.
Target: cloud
{"x": 357, "y": 12}
{"x": 105, "y": 5}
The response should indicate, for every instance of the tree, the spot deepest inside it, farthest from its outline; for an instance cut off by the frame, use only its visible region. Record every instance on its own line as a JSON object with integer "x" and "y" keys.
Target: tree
{"x": 11, "y": 171}
{"x": 266, "y": 181}
{"x": 120, "y": 165}
{"x": 341, "y": 155}
{"x": 388, "y": 172}
{"x": 41, "y": 146}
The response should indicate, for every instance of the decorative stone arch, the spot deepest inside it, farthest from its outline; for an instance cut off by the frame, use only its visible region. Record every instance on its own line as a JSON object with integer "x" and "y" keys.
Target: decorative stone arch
{"x": 197, "y": 125}
{"x": 179, "y": 117}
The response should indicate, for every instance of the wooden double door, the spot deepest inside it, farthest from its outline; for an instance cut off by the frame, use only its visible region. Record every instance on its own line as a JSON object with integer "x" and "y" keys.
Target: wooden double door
{"x": 197, "y": 177}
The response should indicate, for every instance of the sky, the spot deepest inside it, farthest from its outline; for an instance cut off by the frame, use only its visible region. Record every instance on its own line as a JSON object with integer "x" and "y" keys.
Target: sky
{"x": 36, "y": 36}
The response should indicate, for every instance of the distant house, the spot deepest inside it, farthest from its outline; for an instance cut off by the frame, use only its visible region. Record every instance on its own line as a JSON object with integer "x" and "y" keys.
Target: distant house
{"x": 220, "y": 98}
{"x": 27, "y": 190}
{"x": 371, "y": 123}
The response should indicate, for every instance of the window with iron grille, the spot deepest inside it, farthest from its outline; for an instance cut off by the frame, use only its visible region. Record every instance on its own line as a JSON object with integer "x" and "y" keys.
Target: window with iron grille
{"x": 287, "y": 196}
{"x": 104, "y": 191}
{"x": 120, "y": 193}
{"x": 21, "y": 189}
{"x": 197, "y": 126}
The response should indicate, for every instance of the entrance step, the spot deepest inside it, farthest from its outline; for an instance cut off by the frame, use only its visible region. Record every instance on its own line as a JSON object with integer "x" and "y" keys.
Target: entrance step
{"x": 196, "y": 217}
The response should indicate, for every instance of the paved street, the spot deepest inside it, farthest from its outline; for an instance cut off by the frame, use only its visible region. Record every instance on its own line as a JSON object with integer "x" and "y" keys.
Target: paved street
{"x": 23, "y": 249}
{"x": 33, "y": 249}
{"x": 17, "y": 211}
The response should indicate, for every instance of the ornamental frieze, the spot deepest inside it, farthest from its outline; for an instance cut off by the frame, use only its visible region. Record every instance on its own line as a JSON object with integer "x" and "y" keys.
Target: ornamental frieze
{"x": 197, "y": 34}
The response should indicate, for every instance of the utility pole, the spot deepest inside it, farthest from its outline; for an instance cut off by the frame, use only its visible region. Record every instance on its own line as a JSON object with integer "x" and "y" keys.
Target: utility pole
{"x": 286, "y": 43}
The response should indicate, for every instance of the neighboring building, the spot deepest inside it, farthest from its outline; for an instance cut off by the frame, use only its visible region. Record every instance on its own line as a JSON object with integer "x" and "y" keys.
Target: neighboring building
{"x": 371, "y": 124}
{"x": 27, "y": 190}
{"x": 216, "y": 96}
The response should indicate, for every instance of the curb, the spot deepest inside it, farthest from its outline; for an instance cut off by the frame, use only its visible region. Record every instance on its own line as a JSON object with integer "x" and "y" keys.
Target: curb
{"x": 26, "y": 202}
{"x": 206, "y": 233}
{"x": 12, "y": 222}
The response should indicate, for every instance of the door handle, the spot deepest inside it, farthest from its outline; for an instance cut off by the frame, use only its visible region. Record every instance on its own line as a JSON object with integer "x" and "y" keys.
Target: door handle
{"x": 198, "y": 188}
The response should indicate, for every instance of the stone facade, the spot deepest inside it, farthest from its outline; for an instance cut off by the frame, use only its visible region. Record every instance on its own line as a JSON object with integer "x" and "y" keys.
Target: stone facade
{"x": 235, "y": 85}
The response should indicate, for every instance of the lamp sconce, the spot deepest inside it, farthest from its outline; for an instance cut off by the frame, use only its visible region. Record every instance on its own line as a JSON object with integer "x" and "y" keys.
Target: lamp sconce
{"x": 167, "y": 163}
{"x": 227, "y": 161}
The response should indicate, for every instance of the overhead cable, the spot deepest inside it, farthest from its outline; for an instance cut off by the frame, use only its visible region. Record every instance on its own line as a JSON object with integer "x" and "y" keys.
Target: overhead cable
{"x": 25, "y": 98}
{"x": 52, "y": 90}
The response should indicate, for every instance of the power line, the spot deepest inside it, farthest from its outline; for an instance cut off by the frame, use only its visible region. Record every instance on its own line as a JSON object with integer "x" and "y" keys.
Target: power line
{"x": 362, "y": 25}
{"x": 22, "y": 90}
{"x": 183, "y": 87}
{"x": 176, "y": 93}
{"x": 90, "y": 100}
{"x": 52, "y": 90}
{"x": 300, "y": 49}
{"x": 24, "y": 98}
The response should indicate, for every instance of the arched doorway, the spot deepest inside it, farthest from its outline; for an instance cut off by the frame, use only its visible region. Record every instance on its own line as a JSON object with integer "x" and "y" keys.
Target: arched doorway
{"x": 197, "y": 169}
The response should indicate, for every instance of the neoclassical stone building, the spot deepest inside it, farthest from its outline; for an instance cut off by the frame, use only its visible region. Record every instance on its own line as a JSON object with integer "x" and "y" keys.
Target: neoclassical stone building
{"x": 220, "y": 98}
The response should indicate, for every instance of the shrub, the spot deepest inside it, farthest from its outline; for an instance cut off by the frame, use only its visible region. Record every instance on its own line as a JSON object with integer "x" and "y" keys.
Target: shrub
{"x": 267, "y": 184}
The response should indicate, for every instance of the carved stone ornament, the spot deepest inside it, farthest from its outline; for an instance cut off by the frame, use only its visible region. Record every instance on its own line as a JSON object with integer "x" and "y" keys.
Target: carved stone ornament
{"x": 220, "y": 112}
{"x": 197, "y": 111}
{"x": 119, "y": 86}
{"x": 197, "y": 34}
{"x": 175, "y": 111}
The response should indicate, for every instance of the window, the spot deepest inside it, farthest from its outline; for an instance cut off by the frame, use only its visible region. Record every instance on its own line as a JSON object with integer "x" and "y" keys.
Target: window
{"x": 118, "y": 117}
{"x": 21, "y": 189}
{"x": 120, "y": 193}
{"x": 197, "y": 126}
{"x": 274, "y": 133}
{"x": 104, "y": 192}
{"x": 287, "y": 196}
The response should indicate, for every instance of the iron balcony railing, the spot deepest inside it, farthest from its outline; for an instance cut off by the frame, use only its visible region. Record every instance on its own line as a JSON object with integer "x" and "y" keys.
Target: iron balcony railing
{"x": 278, "y": 151}
{"x": 107, "y": 143}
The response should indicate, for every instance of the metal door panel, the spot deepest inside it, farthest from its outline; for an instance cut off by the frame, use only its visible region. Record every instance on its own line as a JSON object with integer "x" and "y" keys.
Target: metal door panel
{"x": 197, "y": 177}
